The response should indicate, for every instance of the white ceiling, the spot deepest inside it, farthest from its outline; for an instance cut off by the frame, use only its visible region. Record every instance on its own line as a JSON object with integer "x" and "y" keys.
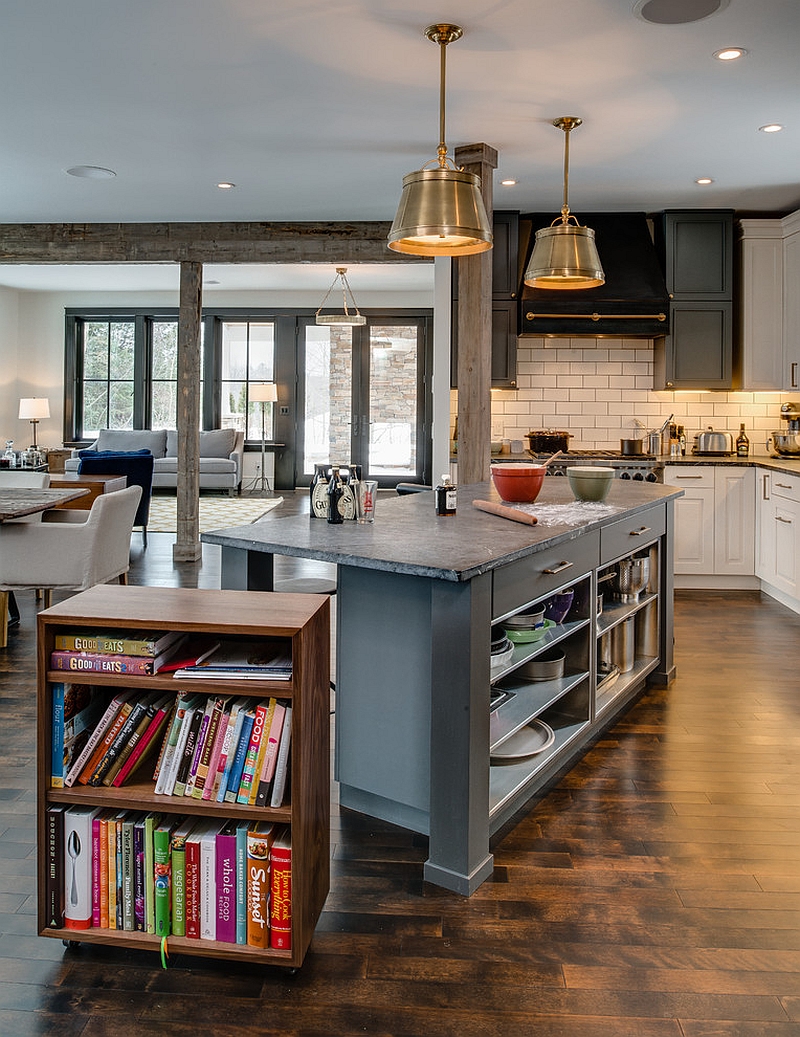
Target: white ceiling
{"x": 316, "y": 109}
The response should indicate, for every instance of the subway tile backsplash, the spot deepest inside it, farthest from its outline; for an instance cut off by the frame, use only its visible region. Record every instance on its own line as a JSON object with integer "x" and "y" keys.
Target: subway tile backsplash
{"x": 595, "y": 389}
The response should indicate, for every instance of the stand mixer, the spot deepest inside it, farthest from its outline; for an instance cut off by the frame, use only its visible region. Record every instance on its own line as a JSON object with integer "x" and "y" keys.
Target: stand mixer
{"x": 787, "y": 444}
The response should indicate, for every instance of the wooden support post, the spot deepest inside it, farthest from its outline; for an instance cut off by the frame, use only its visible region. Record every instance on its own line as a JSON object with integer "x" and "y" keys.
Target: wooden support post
{"x": 475, "y": 335}
{"x": 187, "y": 546}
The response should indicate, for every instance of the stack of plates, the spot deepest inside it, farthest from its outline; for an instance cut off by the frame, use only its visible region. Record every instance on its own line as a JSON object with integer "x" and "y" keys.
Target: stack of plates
{"x": 502, "y": 648}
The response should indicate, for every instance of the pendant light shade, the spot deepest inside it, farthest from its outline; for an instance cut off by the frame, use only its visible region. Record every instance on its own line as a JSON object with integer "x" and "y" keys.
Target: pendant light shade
{"x": 441, "y": 210}
{"x": 564, "y": 254}
{"x": 354, "y": 319}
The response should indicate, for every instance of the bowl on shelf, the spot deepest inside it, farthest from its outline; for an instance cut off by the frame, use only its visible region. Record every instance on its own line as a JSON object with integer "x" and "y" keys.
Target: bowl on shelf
{"x": 558, "y": 605}
{"x": 518, "y": 483}
{"x": 590, "y": 482}
{"x": 524, "y": 635}
{"x": 545, "y": 667}
{"x": 530, "y": 620}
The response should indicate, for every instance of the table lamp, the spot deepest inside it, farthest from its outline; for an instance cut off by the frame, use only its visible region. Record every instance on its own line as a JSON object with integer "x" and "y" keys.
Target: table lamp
{"x": 263, "y": 393}
{"x": 34, "y": 408}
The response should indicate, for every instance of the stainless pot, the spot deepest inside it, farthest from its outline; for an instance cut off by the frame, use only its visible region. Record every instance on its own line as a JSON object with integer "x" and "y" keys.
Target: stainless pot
{"x": 786, "y": 444}
{"x": 630, "y": 578}
{"x": 629, "y": 447}
{"x": 713, "y": 443}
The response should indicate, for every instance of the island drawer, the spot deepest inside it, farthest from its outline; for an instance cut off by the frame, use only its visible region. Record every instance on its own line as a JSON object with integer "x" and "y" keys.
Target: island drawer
{"x": 631, "y": 534}
{"x": 536, "y": 575}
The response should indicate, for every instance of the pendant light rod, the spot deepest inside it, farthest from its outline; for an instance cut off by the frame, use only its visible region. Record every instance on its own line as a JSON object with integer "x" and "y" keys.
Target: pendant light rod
{"x": 567, "y": 123}
{"x": 443, "y": 33}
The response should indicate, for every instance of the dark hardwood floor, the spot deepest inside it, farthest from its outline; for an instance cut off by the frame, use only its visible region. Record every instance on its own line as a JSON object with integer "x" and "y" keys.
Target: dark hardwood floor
{"x": 655, "y": 892}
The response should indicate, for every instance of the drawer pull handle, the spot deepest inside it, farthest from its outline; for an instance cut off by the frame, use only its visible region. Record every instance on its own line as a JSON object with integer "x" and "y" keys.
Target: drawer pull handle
{"x": 638, "y": 532}
{"x": 781, "y": 519}
{"x": 783, "y": 485}
{"x": 558, "y": 568}
{"x": 688, "y": 476}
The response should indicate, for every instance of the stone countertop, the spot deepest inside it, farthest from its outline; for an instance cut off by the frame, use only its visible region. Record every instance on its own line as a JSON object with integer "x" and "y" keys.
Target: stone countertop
{"x": 775, "y": 464}
{"x": 407, "y": 536}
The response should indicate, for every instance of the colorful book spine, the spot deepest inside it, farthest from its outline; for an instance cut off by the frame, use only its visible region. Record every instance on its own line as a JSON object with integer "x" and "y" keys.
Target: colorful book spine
{"x": 111, "y": 831}
{"x": 57, "y": 736}
{"x": 226, "y": 883}
{"x": 248, "y": 772}
{"x": 199, "y": 749}
{"x": 231, "y": 719}
{"x": 280, "y": 902}
{"x": 208, "y": 883}
{"x": 127, "y": 874}
{"x": 102, "y": 746}
{"x": 162, "y": 879}
{"x": 282, "y": 763}
{"x": 139, "y": 922}
{"x": 54, "y": 884}
{"x": 150, "y": 823}
{"x": 171, "y": 744}
{"x": 239, "y": 757}
{"x": 262, "y": 752}
{"x": 102, "y": 726}
{"x": 93, "y": 662}
{"x": 114, "y": 644}
{"x": 78, "y": 867}
{"x": 129, "y": 738}
{"x": 104, "y": 869}
{"x": 192, "y": 910}
{"x": 230, "y": 754}
{"x": 193, "y": 723}
{"x": 97, "y": 857}
{"x": 178, "y": 854}
{"x": 115, "y": 748}
{"x": 271, "y": 755}
{"x": 119, "y": 872}
{"x": 259, "y": 838}
{"x": 211, "y": 750}
{"x": 241, "y": 882}
{"x": 143, "y": 747}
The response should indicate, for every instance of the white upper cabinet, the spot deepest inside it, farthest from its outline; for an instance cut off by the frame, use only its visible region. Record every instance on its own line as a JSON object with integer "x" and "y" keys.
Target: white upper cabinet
{"x": 791, "y": 300}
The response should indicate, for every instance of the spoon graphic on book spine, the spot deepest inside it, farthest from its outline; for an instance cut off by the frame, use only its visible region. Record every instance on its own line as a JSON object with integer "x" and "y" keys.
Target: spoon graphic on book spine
{"x": 74, "y": 851}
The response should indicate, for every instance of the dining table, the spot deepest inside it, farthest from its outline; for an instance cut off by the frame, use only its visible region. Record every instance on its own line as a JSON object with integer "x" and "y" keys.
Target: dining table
{"x": 17, "y": 503}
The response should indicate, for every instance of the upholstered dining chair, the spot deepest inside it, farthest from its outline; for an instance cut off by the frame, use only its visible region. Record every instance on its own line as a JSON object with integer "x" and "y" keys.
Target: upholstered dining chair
{"x": 69, "y": 550}
{"x": 28, "y": 481}
{"x": 137, "y": 465}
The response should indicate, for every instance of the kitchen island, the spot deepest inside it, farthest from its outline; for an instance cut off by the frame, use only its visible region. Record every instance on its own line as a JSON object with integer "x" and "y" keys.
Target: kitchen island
{"x": 421, "y": 713}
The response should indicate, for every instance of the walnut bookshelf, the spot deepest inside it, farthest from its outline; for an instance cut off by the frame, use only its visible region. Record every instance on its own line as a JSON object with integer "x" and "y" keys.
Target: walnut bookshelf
{"x": 301, "y": 619}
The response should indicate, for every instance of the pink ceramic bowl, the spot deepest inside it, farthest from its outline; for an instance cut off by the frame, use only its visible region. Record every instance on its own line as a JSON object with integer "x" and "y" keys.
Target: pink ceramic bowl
{"x": 518, "y": 483}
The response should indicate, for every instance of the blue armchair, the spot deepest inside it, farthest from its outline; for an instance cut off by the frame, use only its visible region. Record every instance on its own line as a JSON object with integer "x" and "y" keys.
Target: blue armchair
{"x": 137, "y": 465}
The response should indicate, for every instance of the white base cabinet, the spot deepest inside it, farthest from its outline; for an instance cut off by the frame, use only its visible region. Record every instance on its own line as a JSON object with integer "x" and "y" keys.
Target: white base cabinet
{"x": 714, "y": 521}
{"x": 778, "y": 560}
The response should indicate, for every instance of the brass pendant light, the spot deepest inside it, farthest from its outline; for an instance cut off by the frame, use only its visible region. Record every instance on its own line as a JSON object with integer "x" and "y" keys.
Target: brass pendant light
{"x": 565, "y": 255}
{"x": 345, "y": 317}
{"x": 441, "y": 210}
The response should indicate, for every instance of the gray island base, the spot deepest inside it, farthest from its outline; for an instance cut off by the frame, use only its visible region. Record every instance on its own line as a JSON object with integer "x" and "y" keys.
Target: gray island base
{"x": 426, "y": 724}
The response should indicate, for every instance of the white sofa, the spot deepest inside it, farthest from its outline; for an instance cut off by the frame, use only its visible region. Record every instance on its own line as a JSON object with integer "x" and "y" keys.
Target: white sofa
{"x": 221, "y": 452}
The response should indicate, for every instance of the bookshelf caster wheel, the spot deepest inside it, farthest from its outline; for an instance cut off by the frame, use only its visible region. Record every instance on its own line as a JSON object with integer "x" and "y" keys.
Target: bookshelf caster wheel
{"x": 71, "y": 945}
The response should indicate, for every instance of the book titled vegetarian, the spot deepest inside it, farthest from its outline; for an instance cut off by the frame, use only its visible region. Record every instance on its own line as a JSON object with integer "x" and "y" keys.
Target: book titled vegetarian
{"x": 116, "y": 643}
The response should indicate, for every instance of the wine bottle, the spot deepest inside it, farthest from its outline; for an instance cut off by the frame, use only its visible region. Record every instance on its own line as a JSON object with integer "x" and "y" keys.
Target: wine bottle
{"x": 335, "y": 490}
{"x": 742, "y": 443}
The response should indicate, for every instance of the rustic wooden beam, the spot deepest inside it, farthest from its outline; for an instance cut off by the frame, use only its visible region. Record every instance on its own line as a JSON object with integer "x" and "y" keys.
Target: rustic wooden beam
{"x": 475, "y": 335}
{"x": 187, "y": 547}
{"x": 354, "y": 242}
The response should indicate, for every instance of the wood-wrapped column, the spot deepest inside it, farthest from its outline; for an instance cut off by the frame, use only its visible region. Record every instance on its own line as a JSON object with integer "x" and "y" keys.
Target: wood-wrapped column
{"x": 187, "y": 543}
{"x": 475, "y": 334}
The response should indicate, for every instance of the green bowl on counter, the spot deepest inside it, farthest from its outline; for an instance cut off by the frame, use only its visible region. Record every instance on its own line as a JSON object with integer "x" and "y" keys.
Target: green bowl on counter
{"x": 590, "y": 482}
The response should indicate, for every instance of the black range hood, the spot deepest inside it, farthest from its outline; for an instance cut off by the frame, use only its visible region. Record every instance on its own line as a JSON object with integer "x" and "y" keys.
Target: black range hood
{"x": 633, "y": 302}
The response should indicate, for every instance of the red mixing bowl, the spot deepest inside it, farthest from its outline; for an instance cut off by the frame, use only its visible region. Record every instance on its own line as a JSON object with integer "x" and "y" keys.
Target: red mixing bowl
{"x": 518, "y": 483}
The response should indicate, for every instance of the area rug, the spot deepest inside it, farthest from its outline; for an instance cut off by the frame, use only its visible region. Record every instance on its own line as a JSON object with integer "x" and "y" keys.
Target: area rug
{"x": 215, "y": 512}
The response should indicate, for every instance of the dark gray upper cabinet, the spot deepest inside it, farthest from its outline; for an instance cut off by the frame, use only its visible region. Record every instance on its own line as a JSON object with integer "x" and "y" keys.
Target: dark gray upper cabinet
{"x": 696, "y": 248}
{"x": 698, "y": 253}
{"x": 505, "y": 306}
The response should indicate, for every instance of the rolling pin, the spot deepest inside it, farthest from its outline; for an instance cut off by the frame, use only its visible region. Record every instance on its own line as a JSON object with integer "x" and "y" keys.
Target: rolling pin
{"x": 504, "y": 512}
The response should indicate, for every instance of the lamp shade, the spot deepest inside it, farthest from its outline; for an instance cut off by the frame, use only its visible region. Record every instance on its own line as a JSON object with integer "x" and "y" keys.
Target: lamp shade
{"x": 564, "y": 256}
{"x": 441, "y": 213}
{"x": 263, "y": 392}
{"x": 34, "y": 408}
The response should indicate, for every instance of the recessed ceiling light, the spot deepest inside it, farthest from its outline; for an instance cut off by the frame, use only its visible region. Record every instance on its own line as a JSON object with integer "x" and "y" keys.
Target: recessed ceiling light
{"x": 703, "y": 180}
{"x": 92, "y": 172}
{"x": 225, "y": 185}
{"x": 730, "y": 53}
{"x": 771, "y": 127}
{"x": 677, "y": 12}
{"x": 508, "y": 183}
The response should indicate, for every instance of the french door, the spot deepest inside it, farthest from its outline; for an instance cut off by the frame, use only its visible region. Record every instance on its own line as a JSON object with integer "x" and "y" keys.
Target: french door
{"x": 364, "y": 398}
